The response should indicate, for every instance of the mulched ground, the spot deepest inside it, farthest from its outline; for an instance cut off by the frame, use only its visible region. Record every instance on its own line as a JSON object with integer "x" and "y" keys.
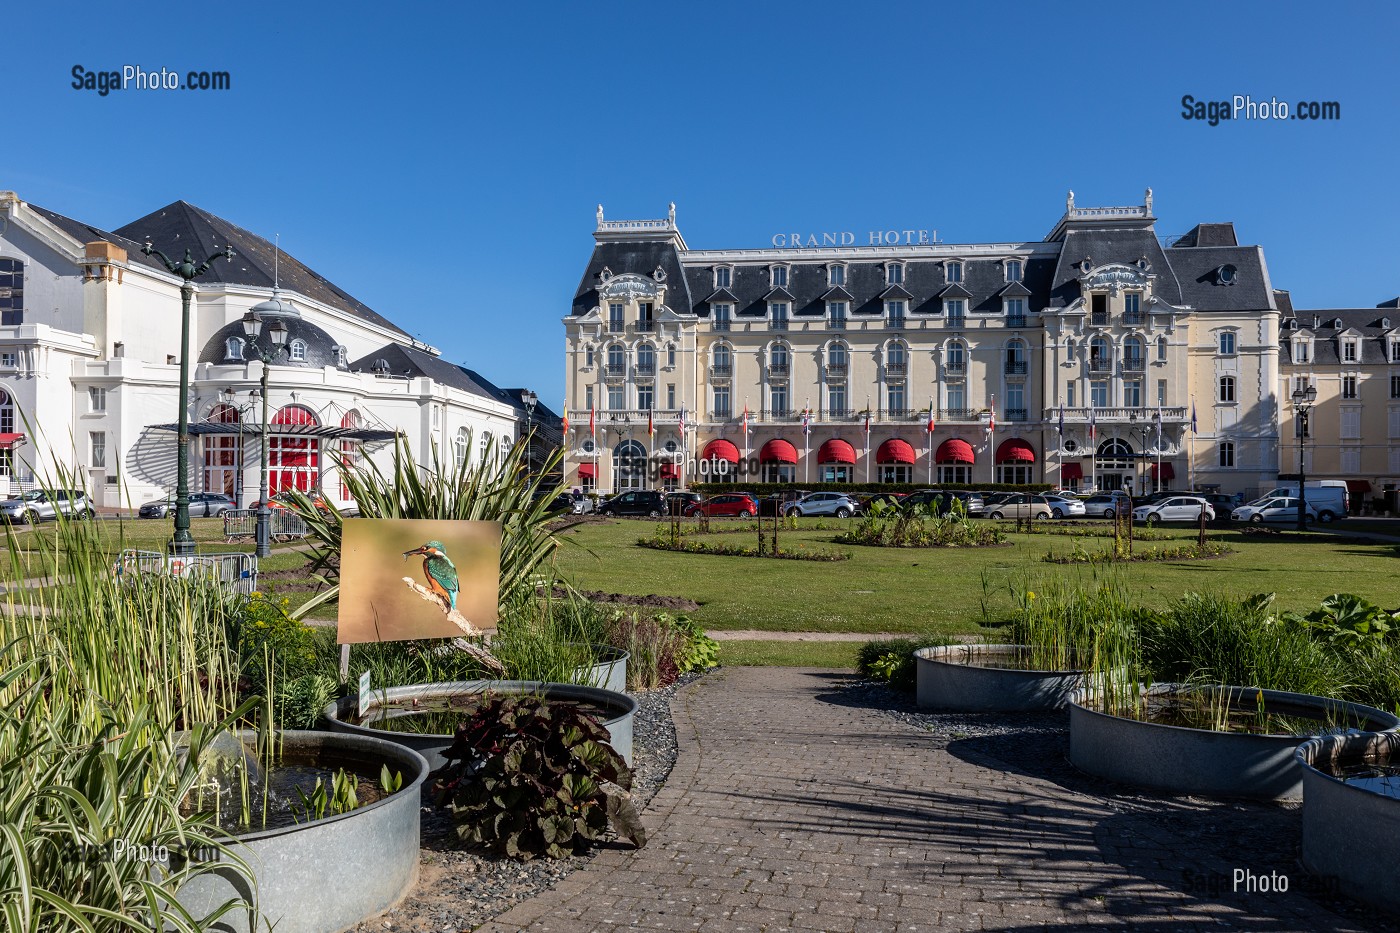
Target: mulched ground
{"x": 460, "y": 888}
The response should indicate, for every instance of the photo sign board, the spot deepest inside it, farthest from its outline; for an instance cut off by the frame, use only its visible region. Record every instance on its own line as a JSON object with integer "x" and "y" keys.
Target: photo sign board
{"x": 403, "y": 579}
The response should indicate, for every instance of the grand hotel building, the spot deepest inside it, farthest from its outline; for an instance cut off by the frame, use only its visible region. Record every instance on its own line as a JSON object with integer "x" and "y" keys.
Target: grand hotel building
{"x": 1095, "y": 356}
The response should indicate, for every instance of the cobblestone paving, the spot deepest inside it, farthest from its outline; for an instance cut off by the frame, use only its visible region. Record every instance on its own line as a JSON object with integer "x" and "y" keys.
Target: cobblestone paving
{"x": 795, "y": 808}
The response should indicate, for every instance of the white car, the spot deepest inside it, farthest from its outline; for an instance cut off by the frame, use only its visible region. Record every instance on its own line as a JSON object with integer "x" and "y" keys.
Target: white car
{"x": 1174, "y": 509}
{"x": 1271, "y": 509}
{"x": 1065, "y": 506}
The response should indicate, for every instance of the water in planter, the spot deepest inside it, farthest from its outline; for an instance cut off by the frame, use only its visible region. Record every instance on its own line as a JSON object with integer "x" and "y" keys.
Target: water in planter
{"x": 1210, "y": 710}
{"x": 1379, "y": 777}
{"x": 442, "y": 715}
{"x": 1010, "y": 661}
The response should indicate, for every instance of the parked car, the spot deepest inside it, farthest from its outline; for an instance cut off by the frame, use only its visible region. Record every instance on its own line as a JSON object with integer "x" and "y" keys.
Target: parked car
{"x": 941, "y": 500}
{"x": 202, "y": 505}
{"x": 739, "y": 504}
{"x": 1065, "y": 506}
{"x": 1328, "y": 496}
{"x": 636, "y": 502}
{"x": 1174, "y": 509}
{"x": 824, "y": 503}
{"x": 1222, "y": 503}
{"x": 678, "y": 503}
{"x": 1021, "y": 505}
{"x": 583, "y": 502}
{"x": 990, "y": 499}
{"x": 41, "y": 505}
{"x": 1272, "y": 509}
{"x": 1105, "y": 504}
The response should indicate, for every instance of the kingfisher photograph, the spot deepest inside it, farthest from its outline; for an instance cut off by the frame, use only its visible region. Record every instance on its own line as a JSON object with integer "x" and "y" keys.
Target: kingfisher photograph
{"x": 413, "y": 578}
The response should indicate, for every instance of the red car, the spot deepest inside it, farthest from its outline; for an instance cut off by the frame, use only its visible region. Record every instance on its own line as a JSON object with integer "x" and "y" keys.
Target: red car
{"x": 740, "y": 504}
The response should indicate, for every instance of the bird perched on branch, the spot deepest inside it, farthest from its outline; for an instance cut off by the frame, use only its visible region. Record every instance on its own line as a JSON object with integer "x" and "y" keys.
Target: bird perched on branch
{"x": 439, "y": 571}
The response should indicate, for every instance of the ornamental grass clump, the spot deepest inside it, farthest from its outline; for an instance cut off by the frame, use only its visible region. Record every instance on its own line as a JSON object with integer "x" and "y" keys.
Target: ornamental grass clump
{"x": 888, "y": 525}
{"x": 1062, "y": 626}
{"x": 530, "y": 778}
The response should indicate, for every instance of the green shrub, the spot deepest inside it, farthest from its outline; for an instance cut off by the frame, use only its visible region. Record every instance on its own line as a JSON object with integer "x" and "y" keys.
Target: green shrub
{"x": 532, "y": 778}
{"x": 891, "y": 660}
{"x": 698, "y": 652}
{"x": 887, "y": 525}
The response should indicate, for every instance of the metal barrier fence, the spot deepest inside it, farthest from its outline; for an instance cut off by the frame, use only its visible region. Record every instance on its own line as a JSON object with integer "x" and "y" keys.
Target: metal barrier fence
{"x": 243, "y": 523}
{"x": 234, "y": 569}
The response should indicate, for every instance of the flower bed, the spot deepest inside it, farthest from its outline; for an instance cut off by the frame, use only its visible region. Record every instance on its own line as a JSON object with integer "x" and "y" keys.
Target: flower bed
{"x": 738, "y": 550}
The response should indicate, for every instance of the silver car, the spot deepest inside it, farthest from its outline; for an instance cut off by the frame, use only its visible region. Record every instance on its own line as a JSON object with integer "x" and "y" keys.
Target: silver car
{"x": 1271, "y": 509}
{"x": 1065, "y": 507}
{"x": 1105, "y": 504}
{"x": 824, "y": 503}
{"x": 1174, "y": 509}
{"x": 42, "y": 505}
{"x": 202, "y": 505}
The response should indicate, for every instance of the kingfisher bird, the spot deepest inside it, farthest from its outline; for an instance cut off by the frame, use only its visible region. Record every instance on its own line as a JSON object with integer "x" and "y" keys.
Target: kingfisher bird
{"x": 439, "y": 571}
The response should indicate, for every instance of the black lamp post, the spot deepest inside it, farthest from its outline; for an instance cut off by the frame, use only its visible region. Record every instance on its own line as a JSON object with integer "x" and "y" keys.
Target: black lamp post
{"x": 1302, "y": 403}
{"x": 277, "y": 334}
{"x": 1141, "y": 432}
{"x": 182, "y": 544}
{"x": 531, "y": 400}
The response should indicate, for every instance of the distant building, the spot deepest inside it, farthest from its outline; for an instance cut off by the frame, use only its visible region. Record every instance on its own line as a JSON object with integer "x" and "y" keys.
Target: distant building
{"x": 1091, "y": 357}
{"x": 90, "y": 351}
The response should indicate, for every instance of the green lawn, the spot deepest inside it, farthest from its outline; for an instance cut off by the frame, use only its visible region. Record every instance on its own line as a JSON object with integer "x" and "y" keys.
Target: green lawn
{"x": 941, "y": 590}
{"x": 833, "y": 654}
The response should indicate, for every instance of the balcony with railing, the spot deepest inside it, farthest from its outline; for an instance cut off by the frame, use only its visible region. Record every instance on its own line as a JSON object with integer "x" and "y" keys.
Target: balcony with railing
{"x": 645, "y": 326}
{"x": 836, "y": 323}
{"x": 957, "y": 414}
{"x": 836, "y": 371}
{"x": 646, "y": 367}
{"x": 1017, "y": 367}
{"x": 896, "y": 367}
{"x": 837, "y": 414}
{"x": 778, "y": 370}
{"x": 1134, "y": 364}
{"x": 719, "y": 325}
{"x": 1134, "y": 318}
{"x": 1100, "y": 364}
{"x": 955, "y": 368}
{"x": 1099, "y": 318}
{"x": 957, "y": 320}
{"x": 1119, "y": 415}
{"x": 896, "y": 321}
{"x": 617, "y": 327}
{"x": 778, "y": 323}
{"x": 721, "y": 372}
{"x": 784, "y": 415}
{"x": 1015, "y": 320}
{"x": 1017, "y": 414}
{"x": 615, "y": 372}
{"x": 623, "y": 417}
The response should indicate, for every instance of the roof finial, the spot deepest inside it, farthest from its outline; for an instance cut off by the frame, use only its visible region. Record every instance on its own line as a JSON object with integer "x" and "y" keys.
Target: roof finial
{"x": 1069, "y": 201}
{"x": 671, "y": 214}
{"x": 600, "y": 215}
{"x": 1147, "y": 202}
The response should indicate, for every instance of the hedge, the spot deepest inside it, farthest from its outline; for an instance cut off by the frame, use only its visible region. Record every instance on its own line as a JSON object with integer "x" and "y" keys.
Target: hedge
{"x": 762, "y": 489}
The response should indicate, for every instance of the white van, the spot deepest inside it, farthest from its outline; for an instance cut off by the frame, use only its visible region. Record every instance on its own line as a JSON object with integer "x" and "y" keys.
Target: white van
{"x": 1327, "y": 496}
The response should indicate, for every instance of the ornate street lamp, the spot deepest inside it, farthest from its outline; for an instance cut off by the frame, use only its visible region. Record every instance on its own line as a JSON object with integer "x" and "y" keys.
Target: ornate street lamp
{"x": 531, "y": 400}
{"x": 277, "y": 334}
{"x": 182, "y": 544}
{"x": 1302, "y": 403}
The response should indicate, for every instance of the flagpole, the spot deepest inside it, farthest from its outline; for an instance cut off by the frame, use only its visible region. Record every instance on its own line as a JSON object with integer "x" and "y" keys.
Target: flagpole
{"x": 564, "y": 460}
{"x": 807, "y": 444}
{"x": 930, "y": 440}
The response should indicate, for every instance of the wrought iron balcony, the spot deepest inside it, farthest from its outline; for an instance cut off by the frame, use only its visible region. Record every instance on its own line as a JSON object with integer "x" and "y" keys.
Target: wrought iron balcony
{"x": 719, "y": 324}
{"x": 615, "y": 372}
{"x": 617, "y": 327}
{"x": 1016, "y": 367}
{"x": 646, "y": 367}
{"x": 1015, "y": 320}
{"x": 836, "y": 371}
{"x": 955, "y": 369}
{"x": 1100, "y": 364}
{"x": 1175, "y": 414}
{"x": 957, "y": 320}
{"x": 778, "y": 369}
{"x": 896, "y": 367}
{"x": 1017, "y": 414}
{"x": 1134, "y": 364}
{"x": 836, "y": 323}
{"x": 645, "y": 326}
{"x": 1134, "y": 317}
{"x": 896, "y": 321}
{"x": 778, "y": 323}
{"x": 1099, "y": 318}
{"x": 957, "y": 414}
{"x": 722, "y": 371}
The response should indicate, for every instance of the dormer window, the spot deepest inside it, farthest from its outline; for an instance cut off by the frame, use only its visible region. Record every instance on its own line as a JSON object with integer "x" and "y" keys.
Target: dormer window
{"x": 233, "y": 348}
{"x": 1014, "y": 269}
{"x": 894, "y": 273}
{"x": 1349, "y": 351}
{"x": 723, "y": 276}
{"x": 617, "y": 323}
{"x": 342, "y": 357}
{"x": 953, "y": 271}
{"x": 778, "y": 314}
{"x": 836, "y": 274}
{"x": 1227, "y": 275}
{"x": 836, "y": 314}
{"x": 1395, "y": 350}
{"x": 296, "y": 351}
{"x": 780, "y": 276}
{"x": 1301, "y": 351}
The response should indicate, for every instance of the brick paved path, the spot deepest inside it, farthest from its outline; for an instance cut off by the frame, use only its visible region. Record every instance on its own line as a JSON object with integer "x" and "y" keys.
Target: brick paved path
{"x": 790, "y": 809}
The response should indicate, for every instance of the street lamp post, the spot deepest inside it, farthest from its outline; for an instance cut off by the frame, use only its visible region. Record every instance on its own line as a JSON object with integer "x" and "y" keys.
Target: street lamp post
{"x": 1302, "y": 403}
{"x": 531, "y": 400}
{"x": 277, "y": 333}
{"x": 1141, "y": 432}
{"x": 182, "y": 544}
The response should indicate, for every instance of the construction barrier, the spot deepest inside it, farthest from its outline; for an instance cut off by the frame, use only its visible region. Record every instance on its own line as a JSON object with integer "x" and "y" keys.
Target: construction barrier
{"x": 240, "y": 524}
{"x": 236, "y": 570}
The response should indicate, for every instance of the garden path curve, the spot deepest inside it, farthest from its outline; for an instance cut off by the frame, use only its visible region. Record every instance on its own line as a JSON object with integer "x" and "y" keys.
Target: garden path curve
{"x": 794, "y": 807}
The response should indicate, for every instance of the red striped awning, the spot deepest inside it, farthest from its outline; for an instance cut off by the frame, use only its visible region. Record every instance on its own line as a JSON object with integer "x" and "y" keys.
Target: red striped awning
{"x": 836, "y": 451}
{"x": 670, "y": 471}
{"x": 9, "y": 440}
{"x": 895, "y": 450}
{"x": 778, "y": 451}
{"x": 1167, "y": 471}
{"x": 1015, "y": 451}
{"x": 1070, "y": 471}
{"x": 720, "y": 449}
{"x": 587, "y": 469}
{"x": 955, "y": 450}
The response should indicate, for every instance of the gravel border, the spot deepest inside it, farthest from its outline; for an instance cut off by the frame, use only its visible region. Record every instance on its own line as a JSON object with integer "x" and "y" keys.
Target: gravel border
{"x": 462, "y": 888}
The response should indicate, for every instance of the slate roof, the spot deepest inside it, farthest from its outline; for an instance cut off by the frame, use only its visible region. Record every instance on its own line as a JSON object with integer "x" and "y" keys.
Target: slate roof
{"x": 1372, "y": 323}
{"x": 179, "y": 226}
{"x": 640, "y": 258}
{"x": 320, "y": 346}
{"x": 412, "y": 362}
{"x": 1102, "y": 245}
{"x": 86, "y": 233}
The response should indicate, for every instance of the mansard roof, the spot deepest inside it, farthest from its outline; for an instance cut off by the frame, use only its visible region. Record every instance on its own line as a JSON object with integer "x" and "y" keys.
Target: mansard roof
{"x": 1373, "y": 324}
{"x": 411, "y": 362}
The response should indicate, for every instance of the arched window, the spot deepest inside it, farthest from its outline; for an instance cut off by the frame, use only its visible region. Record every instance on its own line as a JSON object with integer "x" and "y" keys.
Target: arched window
{"x": 1016, "y": 364}
{"x": 957, "y": 356}
{"x": 670, "y": 354}
{"x": 223, "y": 414}
{"x": 723, "y": 360}
{"x": 1161, "y": 348}
{"x": 646, "y": 358}
{"x": 1100, "y": 355}
{"x": 1134, "y": 351}
{"x": 351, "y": 452}
{"x": 1013, "y": 270}
{"x": 293, "y": 455}
{"x": 485, "y": 446}
{"x": 588, "y": 355}
{"x": 780, "y": 356}
{"x": 296, "y": 351}
{"x": 629, "y": 466}
{"x": 617, "y": 358}
{"x": 7, "y": 426}
{"x": 897, "y": 357}
{"x": 836, "y": 356}
{"x": 1227, "y": 388}
{"x": 233, "y": 348}
{"x": 463, "y": 444}
{"x": 223, "y": 458}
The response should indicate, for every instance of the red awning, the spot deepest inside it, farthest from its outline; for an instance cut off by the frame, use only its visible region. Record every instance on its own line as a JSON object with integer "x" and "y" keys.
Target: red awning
{"x": 1167, "y": 472}
{"x": 954, "y": 450}
{"x": 895, "y": 450}
{"x": 1015, "y": 451}
{"x": 1070, "y": 471}
{"x": 720, "y": 449}
{"x": 836, "y": 451}
{"x": 778, "y": 451}
{"x": 670, "y": 471}
{"x": 9, "y": 440}
{"x": 587, "y": 469}
{"x": 1353, "y": 485}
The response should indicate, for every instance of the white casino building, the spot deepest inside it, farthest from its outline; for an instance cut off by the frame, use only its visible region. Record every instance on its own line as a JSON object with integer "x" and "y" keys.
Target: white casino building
{"x": 90, "y": 351}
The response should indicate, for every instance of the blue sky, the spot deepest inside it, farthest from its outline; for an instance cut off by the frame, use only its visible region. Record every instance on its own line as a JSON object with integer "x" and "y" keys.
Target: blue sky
{"x": 443, "y": 164}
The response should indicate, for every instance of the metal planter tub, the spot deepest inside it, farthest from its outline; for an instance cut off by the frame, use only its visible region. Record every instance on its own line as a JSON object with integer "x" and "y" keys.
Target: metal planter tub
{"x": 609, "y": 672}
{"x": 1179, "y": 759}
{"x": 340, "y": 715}
{"x": 965, "y": 678}
{"x": 331, "y": 874}
{"x": 1351, "y": 833}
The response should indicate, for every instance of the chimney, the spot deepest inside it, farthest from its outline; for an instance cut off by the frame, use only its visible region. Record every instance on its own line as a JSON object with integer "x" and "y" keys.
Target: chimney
{"x": 1317, "y": 321}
